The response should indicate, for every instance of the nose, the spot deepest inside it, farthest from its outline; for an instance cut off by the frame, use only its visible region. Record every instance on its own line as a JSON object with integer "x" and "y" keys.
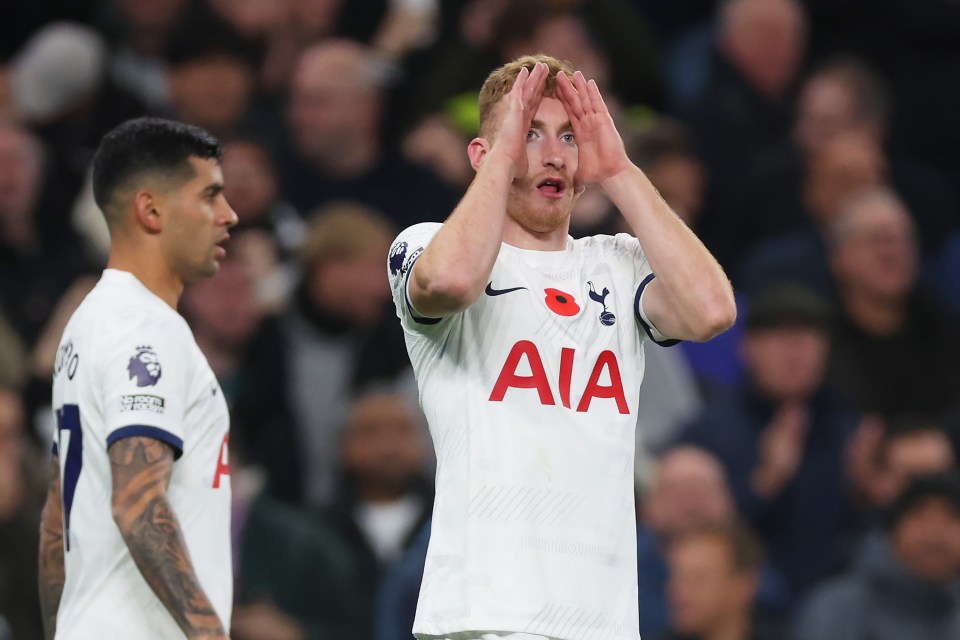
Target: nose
{"x": 552, "y": 156}
{"x": 231, "y": 218}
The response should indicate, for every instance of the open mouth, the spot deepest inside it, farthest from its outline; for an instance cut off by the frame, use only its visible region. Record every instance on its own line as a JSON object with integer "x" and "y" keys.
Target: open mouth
{"x": 552, "y": 188}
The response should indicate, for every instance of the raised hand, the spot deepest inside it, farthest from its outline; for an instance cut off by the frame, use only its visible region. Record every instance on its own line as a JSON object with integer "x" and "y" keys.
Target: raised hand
{"x": 601, "y": 150}
{"x": 520, "y": 108}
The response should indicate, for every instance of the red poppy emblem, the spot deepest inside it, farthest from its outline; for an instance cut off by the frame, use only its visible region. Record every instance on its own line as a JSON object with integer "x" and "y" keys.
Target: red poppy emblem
{"x": 561, "y": 303}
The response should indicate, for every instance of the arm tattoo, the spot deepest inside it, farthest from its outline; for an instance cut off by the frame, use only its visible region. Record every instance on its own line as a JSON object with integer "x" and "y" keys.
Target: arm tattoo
{"x": 51, "y": 571}
{"x": 141, "y": 469}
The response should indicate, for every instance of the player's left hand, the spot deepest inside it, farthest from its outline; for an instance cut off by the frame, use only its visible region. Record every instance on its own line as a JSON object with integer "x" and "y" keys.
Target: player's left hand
{"x": 601, "y": 150}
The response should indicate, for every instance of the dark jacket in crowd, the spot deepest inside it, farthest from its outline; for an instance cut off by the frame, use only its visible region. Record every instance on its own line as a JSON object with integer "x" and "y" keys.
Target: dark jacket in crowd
{"x": 880, "y": 600}
{"x": 805, "y": 527}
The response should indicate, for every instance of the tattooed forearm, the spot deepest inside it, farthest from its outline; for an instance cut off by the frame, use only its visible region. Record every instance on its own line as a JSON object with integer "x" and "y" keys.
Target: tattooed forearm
{"x": 141, "y": 470}
{"x": 51, "y": 570}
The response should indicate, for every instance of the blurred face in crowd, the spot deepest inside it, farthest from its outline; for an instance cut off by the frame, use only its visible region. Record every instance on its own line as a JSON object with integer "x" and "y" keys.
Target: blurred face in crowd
{"x": 680, "y": 180}
{"x": 334, "y": 102}
{"x": 927, "y": 541}
{"x": 874, "y": 253}
{"x": 907, "y": 456}
{"x": 786, "y": 363}
{"x": 705, "y": 589}
{"x": 151, "y": 15}
{"x": 212, "y": 92}
{"x": 826, "y": 108}
{"x": 316, "y": 17}
{"x": 565, "y": 36}
{"x": 689, "y": 491}
{"x": 352, "y": 288}
{"x": 766, "y": 40}
{"x": 845, "y": 166}
{"x": 251, "y": 184}
{"x": 11, "y": 453}
{"x": 382, "y": 445}
{"x": 252, "y": 18}
{"x": 20, "y": 175}
{"x": 223, "y": 308}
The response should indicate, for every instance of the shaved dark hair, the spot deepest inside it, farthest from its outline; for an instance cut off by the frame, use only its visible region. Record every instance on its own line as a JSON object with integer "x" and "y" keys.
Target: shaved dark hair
{"x": 146, "y": 148}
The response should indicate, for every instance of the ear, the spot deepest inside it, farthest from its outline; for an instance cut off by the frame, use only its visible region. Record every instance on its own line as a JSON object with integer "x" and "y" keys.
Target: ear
{"x": 145, "y": 210}
{"x": 476, "y": 150}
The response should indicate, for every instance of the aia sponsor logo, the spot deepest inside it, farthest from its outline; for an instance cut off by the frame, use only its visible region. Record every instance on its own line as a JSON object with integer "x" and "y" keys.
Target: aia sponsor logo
{"x": 548, "y": 393}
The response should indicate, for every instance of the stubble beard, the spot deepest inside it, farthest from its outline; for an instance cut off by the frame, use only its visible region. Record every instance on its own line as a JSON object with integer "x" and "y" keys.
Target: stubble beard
{"x": 539, "y": 217}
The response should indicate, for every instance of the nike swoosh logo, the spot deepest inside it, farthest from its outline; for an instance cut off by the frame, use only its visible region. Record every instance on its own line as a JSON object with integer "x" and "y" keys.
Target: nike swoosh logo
{"x": 490, "y": 291}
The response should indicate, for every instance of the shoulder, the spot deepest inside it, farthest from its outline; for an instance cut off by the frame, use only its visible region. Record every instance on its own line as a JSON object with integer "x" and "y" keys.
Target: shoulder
{"x": 408, "y": 245}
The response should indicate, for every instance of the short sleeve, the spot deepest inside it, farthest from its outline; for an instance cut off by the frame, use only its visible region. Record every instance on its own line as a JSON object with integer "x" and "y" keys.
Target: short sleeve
{"x": 145, "y": 377}
{"x": 643, "y": 276}
{"x": 404, "y": 252}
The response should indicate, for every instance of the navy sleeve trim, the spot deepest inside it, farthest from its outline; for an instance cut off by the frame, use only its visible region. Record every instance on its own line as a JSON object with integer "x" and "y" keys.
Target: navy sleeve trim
{"x": 142, "y": 430}
{"x": 406, "y": 296}
{"x": 54, "y": 449}
{"x": 669, "y": 342}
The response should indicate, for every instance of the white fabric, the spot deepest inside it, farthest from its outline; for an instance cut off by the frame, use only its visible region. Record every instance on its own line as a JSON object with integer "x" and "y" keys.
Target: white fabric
{"x": 387, "y": 526}
{"x": 128, "y": 365}
{"x": 533, "y": 526}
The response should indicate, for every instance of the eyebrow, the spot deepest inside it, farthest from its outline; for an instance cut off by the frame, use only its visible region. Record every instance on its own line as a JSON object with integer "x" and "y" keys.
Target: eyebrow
{"x": 213, "y": 189}
{"x": 540, "y": 124}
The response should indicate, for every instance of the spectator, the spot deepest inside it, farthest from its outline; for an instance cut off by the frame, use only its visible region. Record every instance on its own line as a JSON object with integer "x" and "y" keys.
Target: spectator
{"x": 21, "y": 498}
{"x": 385, "y": 498}
{"x": 688, "y": 492}
{"x": 141, "y": 30}
{"x": 714, "y": 578}
{"x": 211, "y": 72}
{"x": 336, "y": 109}
{"x": 904, "y": 585}
{"x": 782, "y": 437}
{"x": 396, "y": 605}
{"x": 890, "y": 456}
{"x": 336, "y": 337}
{"x": 842, "y": 98}
{"x": 842, "y": 167}
{"x": 37, "y": 264}
{"x": 896, "y": 351}
{"x": 270, "y": 229}
{"x": 745, "y": 111}
{"x": 295, "y": 578}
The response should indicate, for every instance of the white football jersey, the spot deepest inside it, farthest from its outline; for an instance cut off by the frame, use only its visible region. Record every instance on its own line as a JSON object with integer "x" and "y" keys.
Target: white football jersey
{"x": 531, "y": 397}
{"x": 128, "y": 365}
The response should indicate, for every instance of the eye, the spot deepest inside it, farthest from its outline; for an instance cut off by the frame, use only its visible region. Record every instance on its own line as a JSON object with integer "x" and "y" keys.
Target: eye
{"x": 568, "y": 138}
{"x": 531, "y": 134}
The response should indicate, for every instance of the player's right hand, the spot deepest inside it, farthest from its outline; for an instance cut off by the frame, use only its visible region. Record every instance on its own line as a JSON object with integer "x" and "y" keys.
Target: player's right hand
{"x": 520, "y": 108}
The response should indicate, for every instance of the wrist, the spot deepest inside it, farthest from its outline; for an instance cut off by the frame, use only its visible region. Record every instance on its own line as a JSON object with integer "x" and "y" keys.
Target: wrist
{"x": 622, "y": 178}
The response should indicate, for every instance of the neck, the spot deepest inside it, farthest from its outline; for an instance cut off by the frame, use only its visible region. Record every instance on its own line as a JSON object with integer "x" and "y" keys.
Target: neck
{"x": 516, "y": 235}
{"x": 735, "y": 627}
{"x": 149, "y": 268}
{"x": 876, "y": 316}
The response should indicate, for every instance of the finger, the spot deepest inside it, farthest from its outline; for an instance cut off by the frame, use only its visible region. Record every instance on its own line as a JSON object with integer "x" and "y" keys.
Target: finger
{"x": 519, "y": 84}
{"x": 535, "y": 86}
{"x": 580, "y": 83}
{"x": 596, "y": 99}
{"x": 569, "y": 97}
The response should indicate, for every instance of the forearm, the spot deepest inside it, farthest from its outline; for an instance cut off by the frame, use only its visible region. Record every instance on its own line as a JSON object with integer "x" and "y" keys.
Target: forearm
{"x": 51, "y": 569}
{"x": 141, "y": 468}
{"x": 156, "y": 544}
{"x": 454, "y": 268}
{"x": 695, "y": 288}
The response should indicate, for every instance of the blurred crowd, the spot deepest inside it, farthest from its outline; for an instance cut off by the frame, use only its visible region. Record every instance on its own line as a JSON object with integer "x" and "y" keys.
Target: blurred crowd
{"x": 796, "y": 477}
